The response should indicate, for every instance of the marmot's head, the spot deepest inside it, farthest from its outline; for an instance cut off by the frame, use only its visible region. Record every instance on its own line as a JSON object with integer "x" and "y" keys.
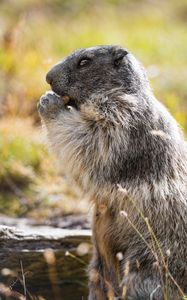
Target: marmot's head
{"x": 97, "y": 70}
{"x": 120, "y": 132}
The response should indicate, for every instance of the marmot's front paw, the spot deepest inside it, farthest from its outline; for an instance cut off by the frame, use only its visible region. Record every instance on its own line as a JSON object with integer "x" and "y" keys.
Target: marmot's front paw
{"x": 50, "y": 105}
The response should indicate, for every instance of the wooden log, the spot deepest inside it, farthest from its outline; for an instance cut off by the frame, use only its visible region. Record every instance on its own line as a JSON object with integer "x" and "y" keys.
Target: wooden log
{"x": 43, "y": 263}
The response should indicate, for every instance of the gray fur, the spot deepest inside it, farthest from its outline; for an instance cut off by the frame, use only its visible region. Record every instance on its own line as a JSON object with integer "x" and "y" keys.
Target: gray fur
{"x": 129, "y": 155}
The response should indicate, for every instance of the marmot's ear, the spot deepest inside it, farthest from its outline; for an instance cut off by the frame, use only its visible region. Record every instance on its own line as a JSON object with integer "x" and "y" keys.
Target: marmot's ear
{"x": 118, "y": 56}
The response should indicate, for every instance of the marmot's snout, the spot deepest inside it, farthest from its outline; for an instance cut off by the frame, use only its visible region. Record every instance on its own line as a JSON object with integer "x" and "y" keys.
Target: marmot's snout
{"x": 59, "y": 85}
{"x": 49, "y": 78}
{"x": 53, "y": 73}
{"x": 58, "y": 79}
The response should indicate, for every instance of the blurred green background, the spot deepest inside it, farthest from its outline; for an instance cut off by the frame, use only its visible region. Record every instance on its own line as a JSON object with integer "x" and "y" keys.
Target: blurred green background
{"x": 35, "y": 34}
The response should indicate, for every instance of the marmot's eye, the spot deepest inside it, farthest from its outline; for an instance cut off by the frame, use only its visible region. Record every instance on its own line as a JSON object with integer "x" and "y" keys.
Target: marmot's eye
{"x": 83, "y": 62}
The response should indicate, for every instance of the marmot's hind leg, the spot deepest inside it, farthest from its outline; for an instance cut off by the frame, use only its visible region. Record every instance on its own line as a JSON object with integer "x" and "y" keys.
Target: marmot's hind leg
{"x": 96, "y": 283}
{"x": 143, "y": 289}
{"x": 150, "y": 288}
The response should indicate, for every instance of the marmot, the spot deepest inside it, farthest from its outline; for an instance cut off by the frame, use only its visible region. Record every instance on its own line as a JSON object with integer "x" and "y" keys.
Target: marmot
{"x": 129, "y": 155}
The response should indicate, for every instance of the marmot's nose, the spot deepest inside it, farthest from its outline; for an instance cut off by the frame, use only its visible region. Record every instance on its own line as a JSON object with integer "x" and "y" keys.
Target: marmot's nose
{"x": 53, "y": 73}
{"x": 49, "y": 77}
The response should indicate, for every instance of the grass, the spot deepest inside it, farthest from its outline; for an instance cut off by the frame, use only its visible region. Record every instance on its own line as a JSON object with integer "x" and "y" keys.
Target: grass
{"x": 35, "y": 35}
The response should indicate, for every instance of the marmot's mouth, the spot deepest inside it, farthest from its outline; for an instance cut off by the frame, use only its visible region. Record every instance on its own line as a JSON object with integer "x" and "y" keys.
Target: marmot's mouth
{"x": 69, "y": 102}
